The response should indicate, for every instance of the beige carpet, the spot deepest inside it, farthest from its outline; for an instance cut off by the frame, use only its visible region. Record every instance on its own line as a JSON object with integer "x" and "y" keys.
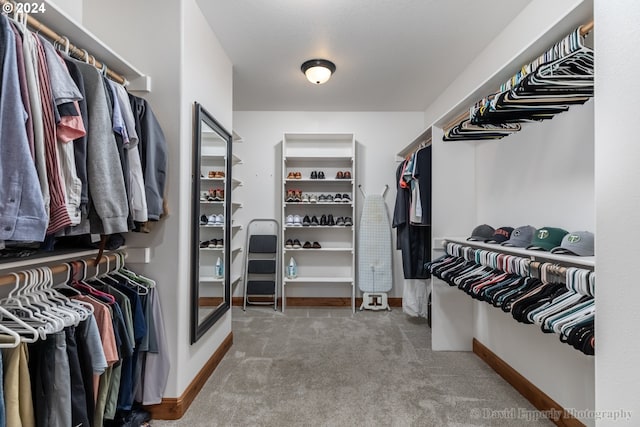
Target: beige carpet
{"x": 327, "y": 367}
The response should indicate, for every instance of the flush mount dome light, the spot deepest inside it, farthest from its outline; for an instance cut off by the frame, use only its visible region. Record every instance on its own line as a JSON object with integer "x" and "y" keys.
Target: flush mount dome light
{"x": 318, "y": 71}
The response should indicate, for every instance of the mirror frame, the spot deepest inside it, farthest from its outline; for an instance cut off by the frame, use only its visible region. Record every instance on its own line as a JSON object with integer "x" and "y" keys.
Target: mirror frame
{"x": 200, "y": 327}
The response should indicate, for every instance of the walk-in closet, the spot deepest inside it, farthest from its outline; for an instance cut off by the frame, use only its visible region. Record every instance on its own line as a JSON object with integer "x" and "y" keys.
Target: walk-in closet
{"x": 399, "y": 213}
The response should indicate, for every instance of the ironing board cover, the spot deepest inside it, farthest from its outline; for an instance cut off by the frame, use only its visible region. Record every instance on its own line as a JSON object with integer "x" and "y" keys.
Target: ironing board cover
{"x": 374, "y": 246}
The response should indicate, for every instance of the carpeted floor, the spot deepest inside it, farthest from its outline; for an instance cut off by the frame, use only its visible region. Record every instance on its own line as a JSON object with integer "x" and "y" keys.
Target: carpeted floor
{"x": 327, "y": 367}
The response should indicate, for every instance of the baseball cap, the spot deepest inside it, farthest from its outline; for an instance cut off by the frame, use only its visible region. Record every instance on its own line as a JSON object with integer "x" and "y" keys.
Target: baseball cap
{"x": 501, "y": 234}
{"x": 520, "y": 237}
{"x": 579, "y": 243}
{"x": 482, "y": 233}
{"x": 547, "y": 238}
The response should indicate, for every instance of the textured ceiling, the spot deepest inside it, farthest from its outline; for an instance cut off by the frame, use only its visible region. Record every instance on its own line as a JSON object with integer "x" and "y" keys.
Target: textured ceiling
{"x": 391, "y": 55}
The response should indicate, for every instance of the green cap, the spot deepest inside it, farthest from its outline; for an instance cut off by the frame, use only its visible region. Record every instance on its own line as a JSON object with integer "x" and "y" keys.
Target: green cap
{"x": 547, "y": 238}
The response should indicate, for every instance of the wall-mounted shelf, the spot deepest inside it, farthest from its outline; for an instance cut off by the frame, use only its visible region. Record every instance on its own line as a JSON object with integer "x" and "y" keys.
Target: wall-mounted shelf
{"x": 59, "y": 21}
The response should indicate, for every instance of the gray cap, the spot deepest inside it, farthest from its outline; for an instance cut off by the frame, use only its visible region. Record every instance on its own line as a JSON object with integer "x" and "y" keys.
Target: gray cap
{"x": 581, "y": 243}
{"x": 521, "y": 237}
{"x": 482, "y": 233}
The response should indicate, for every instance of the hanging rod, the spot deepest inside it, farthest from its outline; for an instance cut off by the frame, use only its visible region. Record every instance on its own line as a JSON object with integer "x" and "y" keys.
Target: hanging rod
{"x": 584, "y": 30}
{"x": 9, "y": 279}
{"x": 73, "y": 50}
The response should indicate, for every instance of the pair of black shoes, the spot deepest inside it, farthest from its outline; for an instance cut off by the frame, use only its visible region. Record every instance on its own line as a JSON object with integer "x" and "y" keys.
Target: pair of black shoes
{"x": 327, "y": 220}
{"x": 317, "y": 175}
{"x": 306, "y": 221}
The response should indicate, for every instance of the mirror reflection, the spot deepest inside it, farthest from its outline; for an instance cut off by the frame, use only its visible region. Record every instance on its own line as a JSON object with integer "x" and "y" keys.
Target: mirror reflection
{"x": 211, "y": 284}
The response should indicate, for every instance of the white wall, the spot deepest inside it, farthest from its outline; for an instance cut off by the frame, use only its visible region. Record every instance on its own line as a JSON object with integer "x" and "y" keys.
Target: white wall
{"x": 617, "y": 201}
{"x": 73, "y": 8}
{"x": 174, "y": 45}
{"x": 543, "y": 176}
{"x": 378, "y": 134}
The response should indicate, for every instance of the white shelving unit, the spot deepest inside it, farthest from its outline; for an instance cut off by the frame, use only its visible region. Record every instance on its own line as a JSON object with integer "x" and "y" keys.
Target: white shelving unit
{"x": 235, "y": 244}
{"x": 334, "y": 262}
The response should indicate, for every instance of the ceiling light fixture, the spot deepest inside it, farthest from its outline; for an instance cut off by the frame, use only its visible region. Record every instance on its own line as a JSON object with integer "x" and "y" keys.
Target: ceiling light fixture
{"x": 318, "y": 71}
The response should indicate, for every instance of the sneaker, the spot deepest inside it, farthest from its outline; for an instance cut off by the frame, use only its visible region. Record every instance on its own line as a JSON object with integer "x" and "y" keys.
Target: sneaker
{"x": 289, "y": 244}
{"x": 220, "y": 243}
{"x": 219, "y": 220}
{"x": 330, "y": 220}
{"x": 314, "y": 175}
{"x": 204, "y": 244}
{"x": 313, "y": 198}
{"x": 213, "y": 243}
{"x": 204, "y": 220}
{"x": 323, "y": 220}
{"x": 305, "y": 198}
{"x": 211, "y": 220}
{"x": 337, "y": 198}
{"x": 290, "y": 196}
{"x": 289, "y": 221}
{"x": 322, "y": 198}
{"x": 306, "y": 221}
{"x": 297, "y": 195}
{"x": 320, "y": 175}
{"x": 340, "y": 221}
{"x": 346, "y": 198}
{"x": 307, "y": 245}
{"x": 296, "y": 244}
{"x": 297, "y": 221}
{"x": 314, "y": 220}
{"x": 348, "y": 222}
{"x": 339, "y": 175}
{"x": 203, "y": 196}
{"x": 316, "y": 245}
{"x": 329, "y": 198}
{"x": 292, "y": 175}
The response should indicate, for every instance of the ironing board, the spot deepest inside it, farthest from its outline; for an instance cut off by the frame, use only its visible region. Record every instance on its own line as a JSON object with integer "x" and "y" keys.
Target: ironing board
{"x": 374, "y": 253}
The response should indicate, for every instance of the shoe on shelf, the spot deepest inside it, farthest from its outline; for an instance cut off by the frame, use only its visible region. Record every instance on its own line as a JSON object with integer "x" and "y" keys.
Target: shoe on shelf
{"x": 212, "y": 243}
{"x": 219, "y": 220}
{"x": 211, "y": 220}
{"x": 289, "y": 221}
{"x": 203, "y": 196}
{"x": 204, "y": 220}
{"x": 348, "y": 222}
{"x": 346, "y": 175}
{"x": 314, "y": 220}
{"x": 289, "y": 244}
{"x": 291, "y": 175}
{"x": 305, "y": 198}
{"x": 290, "y": 196}
{"x": 322, "y": 198}
{"x": 296, "y": 244}
{"x": 340, "y": 221}
{"x": 211, "y": 174}
{"x": 346, "y": 198}
{"x": 307, "y": 245}
{"x": 204, "y": 244}
{"x": 297, "y": 221}
{"x": 219, "y": 174}
{"x": 337, "y": 198}
{"x": 329, "y": 198}
{"x": 313, "y": 198}
{"x": 298, "y": 175}
{"x": 330, "y": 220}
{"x": 339, "y": 175}
{"x": 314, "y": 175}
{"x": 323, "y": 220}
{"x": 220, "y": 243}
{"x": 297, "y": 195}
{"x": 306, "y": 221}
{"x": 316, "y": 245}
{"x": 320, "y": 175}
{"x": 218, "y": 195}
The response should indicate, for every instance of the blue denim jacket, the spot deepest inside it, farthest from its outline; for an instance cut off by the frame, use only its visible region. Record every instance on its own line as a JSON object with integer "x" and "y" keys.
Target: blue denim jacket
{"x": 22, "y": 214}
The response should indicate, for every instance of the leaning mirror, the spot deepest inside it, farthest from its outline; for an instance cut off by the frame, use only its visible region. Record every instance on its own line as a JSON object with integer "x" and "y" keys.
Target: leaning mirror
{"x": 211, "y": 233}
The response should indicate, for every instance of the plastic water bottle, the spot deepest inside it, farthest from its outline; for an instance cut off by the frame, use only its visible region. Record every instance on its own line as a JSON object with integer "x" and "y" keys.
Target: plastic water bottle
{"x": 292, "y": 269}
{"x": 219, "y": 268}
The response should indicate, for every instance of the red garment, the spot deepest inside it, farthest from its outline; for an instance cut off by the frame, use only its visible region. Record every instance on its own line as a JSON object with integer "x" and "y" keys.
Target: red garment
{"x": 58, "y": 214}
